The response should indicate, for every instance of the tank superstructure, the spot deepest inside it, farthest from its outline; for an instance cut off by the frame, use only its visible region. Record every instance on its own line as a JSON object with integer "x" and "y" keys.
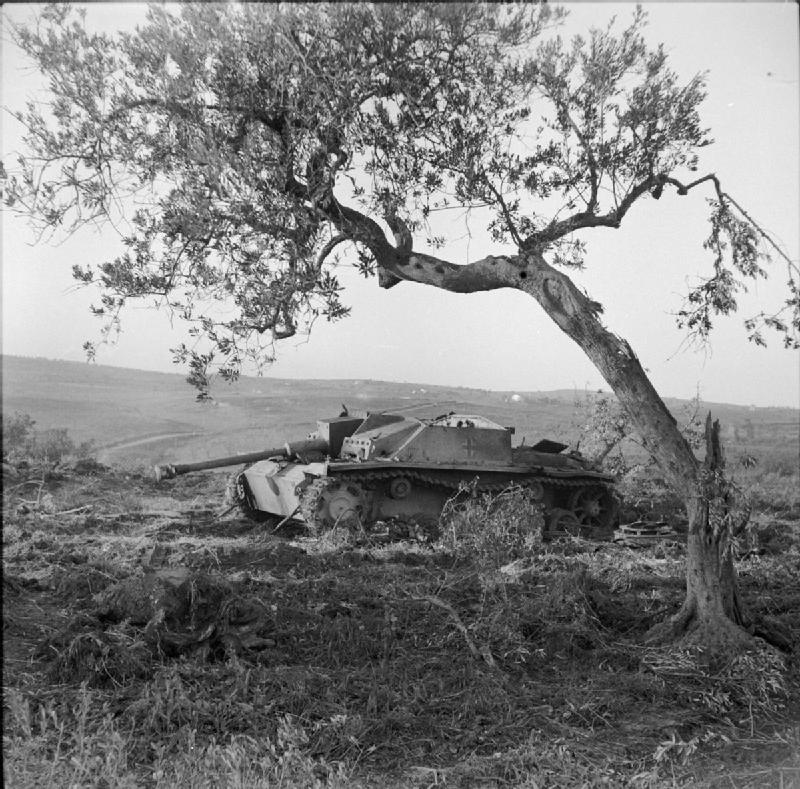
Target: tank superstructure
{"x": 388, "y": 467}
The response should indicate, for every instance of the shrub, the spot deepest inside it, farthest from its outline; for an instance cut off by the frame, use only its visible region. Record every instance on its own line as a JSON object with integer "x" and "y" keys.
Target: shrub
{"x": 646, "y": 496}
{"x": 43, "y": 449}
{"x": 17, "y": 432}
{"x": 492, "y": 529}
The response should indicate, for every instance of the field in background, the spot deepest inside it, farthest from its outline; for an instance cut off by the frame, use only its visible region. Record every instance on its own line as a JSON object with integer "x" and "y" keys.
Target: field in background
{"x": 139, "y": 417}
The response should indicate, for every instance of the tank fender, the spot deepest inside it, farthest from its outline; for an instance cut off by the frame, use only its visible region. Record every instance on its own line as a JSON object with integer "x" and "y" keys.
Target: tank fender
{"x": 276, "y": 485}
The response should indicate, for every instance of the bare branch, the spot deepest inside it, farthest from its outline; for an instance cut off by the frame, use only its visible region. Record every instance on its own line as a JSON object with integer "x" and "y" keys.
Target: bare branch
{"x": 586, "y": 219}
{"x": 330, "y": 246}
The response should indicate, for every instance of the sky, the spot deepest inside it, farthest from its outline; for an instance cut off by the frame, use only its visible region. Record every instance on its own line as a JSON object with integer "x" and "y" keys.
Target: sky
{"x": 502, "y": 340}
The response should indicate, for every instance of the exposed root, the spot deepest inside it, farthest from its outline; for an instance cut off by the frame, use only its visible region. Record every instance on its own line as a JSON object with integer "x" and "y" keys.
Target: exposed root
{"x": 772, "y": 633}
{"x": 671, "y": 629}
{"x": 719, "y": 636}
{"x": 715, "y": 634}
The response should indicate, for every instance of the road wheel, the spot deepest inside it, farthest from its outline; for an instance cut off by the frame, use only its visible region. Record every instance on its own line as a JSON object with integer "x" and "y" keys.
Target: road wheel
{"x": 594, "y": 507}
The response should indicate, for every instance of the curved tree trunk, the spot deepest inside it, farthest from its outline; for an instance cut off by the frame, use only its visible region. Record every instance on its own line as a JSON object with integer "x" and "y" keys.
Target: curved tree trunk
{"x": 712, "y": 613}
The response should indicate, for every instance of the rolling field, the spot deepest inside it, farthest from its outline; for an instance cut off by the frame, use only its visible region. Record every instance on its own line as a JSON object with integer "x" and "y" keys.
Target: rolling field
{"x": 139, "y": 417}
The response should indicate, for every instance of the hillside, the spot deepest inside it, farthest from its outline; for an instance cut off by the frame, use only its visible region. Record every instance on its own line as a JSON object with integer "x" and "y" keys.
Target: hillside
{"x": 138, "y": 416}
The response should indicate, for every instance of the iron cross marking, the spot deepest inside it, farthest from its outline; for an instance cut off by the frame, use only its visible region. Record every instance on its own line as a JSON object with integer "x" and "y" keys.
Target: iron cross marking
{"x": 471, "y": 445}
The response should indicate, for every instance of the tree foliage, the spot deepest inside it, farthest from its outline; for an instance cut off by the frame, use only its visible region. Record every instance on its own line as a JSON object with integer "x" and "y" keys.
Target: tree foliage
{"x": 235, "y": 146}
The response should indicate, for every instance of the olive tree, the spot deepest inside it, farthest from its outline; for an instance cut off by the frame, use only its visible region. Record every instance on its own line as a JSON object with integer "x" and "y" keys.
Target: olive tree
{"x": 247, "y": 146}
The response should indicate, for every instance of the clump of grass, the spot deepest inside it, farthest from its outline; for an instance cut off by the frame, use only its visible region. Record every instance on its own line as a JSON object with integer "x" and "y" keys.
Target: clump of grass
{"x": 563, "y": 618}
{"x": 492, "y": 529}
{"x": 560, "y": 763}
{"x": 244, "y": 760}
{"x": 47, "y": 744}
{"x": 86, "y": 744}
{"x": 340, "y": 537}
{"x": 100, "y": 658}
{"x": 750, "y": 682}
{"x": 72, "y": 585}
{"x": 775, "y": 491}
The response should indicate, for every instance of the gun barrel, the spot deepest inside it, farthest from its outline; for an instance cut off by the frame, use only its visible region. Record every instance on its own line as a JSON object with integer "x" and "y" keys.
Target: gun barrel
{"x": 295, "y": 449}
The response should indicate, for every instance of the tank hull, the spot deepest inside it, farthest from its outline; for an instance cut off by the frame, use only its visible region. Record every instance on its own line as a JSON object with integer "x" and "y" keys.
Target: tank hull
{"x": 275, "y": 487}
{"x": 326, "y": 494}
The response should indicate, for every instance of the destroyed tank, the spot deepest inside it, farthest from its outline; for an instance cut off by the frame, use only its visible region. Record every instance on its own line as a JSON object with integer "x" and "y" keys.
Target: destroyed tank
{"x": 400, "y": 469}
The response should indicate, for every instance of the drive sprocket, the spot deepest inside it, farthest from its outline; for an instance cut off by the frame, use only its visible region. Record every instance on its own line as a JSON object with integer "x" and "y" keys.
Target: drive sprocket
{"x": 328, "y": 502}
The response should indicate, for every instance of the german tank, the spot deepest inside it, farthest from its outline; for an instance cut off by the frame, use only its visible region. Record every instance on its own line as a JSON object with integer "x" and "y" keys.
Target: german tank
{"x": 392, "y": 468}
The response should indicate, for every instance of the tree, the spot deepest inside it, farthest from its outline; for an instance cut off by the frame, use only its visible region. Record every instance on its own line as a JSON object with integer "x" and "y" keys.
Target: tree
{"x": 244, "y": 143}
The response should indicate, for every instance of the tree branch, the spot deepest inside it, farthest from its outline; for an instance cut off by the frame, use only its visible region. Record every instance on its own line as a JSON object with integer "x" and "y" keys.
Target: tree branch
{"x": 329, "y": 247}
{"x": 277, "y": 122}
{"x": 489, "y": 273}
{"x": 586, "y": 219}
{"x": 613, "y": 219}
{"x": 724, "y": 197}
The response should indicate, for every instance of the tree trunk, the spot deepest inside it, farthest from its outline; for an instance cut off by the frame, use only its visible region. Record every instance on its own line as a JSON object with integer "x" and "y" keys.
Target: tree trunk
{"x": 712, "y": 613}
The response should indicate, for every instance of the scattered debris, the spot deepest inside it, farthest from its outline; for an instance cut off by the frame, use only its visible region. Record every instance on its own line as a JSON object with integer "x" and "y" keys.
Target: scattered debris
{"x": 640, "y": 534}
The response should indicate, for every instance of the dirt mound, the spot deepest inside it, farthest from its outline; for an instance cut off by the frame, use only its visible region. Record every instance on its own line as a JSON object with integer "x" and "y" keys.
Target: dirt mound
{"x": 160, "y": 614}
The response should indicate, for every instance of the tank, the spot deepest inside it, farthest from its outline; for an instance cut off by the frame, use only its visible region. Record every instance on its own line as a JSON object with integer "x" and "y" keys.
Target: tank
{"x": 400, "y": 469}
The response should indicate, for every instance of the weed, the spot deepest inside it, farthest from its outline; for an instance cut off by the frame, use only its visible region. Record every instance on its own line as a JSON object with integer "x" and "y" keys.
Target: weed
{"x": 492, "y": 529}
{"x": 55, "y": 746}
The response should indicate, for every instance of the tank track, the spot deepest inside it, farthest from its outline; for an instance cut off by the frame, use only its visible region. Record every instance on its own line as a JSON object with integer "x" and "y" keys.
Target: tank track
{"x": 310, "y": 499}
{"x": 312, "y": 495}
{"x": 311, "y": 503}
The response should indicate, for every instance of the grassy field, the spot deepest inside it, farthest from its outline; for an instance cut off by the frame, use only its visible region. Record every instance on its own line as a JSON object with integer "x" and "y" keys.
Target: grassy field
{"x": 152, "y": 639}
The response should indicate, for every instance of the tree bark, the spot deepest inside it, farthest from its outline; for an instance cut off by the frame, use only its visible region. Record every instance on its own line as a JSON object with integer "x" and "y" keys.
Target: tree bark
{"x": 712, "y": 614}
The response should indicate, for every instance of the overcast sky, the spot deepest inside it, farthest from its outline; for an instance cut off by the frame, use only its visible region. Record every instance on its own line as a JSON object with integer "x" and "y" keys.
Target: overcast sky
{"x": 502, "y": 340}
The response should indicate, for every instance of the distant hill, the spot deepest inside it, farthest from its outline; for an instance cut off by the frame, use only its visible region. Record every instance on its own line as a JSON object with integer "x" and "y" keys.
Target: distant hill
{"x": 138, "y": 416}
